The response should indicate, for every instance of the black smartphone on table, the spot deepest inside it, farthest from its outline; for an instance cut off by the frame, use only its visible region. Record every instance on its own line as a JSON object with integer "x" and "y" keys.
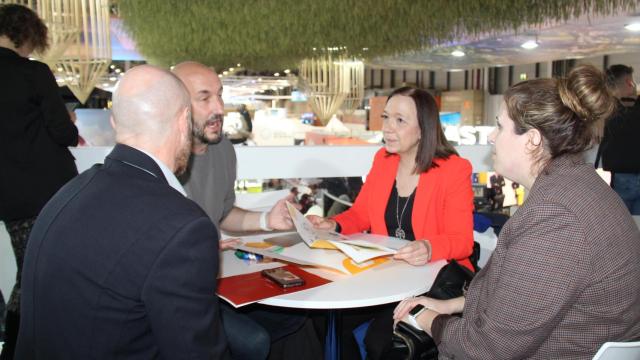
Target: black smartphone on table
{"x": 284, "y": 278}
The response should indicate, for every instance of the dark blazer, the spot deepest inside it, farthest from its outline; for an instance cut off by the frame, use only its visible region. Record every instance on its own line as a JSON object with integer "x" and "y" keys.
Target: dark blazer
{"x": 35, "y": 131}
{"x": 562, "y": 280}
{"x": 120, "y": 265}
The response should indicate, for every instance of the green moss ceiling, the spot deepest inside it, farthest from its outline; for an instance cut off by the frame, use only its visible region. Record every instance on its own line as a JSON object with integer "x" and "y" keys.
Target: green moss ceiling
{"x": 277, "y": 34}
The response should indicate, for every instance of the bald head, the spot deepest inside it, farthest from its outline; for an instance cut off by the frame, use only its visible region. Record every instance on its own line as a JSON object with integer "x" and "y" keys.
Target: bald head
{"x": 190, "y": 69}
{"x": 146, "y": 102}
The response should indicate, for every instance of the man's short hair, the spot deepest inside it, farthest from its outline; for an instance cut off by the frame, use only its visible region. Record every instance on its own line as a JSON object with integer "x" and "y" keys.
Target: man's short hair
{"x": 23, "y": 27}
{"x": 615, "y": 73}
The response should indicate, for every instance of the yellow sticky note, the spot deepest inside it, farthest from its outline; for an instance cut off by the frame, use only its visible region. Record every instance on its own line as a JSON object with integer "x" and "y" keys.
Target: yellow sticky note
{"x": 258, "y": 245}
{"x": 323, "y": 244}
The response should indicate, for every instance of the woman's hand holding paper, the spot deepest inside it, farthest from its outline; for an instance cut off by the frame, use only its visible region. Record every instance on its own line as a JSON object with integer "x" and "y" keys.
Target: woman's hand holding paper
{"x": 415, "y": 253}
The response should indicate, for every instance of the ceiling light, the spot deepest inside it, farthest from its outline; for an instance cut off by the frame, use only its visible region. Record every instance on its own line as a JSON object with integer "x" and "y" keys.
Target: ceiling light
{"x": 457, "y": 53}
{"x": 276, "y": 74}
{"x": 231, "y": 69}
{"x": 238, "y": 65}
{"x": 529, "y": 44}
{"x": 456, "y": 70}
{"x": 287, "y": 71}
{"x": 633, "y": 26}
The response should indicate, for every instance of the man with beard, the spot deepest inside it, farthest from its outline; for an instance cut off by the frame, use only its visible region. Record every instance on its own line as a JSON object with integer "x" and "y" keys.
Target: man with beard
{"x": 210, "y": 176}
{"x": 209, "y": 181}
{"x": 120, "y": 263}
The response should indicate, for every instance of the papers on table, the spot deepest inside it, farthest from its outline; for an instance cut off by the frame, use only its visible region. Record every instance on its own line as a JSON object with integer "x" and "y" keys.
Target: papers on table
{"x": 359, "y": 247}
{"x": 302, "y": 254}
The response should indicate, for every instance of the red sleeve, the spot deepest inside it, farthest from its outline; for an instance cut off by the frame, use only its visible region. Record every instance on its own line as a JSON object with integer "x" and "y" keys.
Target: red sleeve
{"x": 356, "y": 219}
{"x": 456, "y": 241}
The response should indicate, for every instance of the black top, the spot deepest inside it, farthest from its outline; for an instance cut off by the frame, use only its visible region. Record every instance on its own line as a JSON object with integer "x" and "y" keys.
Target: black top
{"x": 394, "y": 212}
{"x": 35, "y": 131}
{"x": 620, "y": 148}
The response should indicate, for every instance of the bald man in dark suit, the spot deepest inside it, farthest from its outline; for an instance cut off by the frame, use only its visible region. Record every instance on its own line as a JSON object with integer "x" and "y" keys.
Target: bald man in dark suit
{"x": 121, "y": 264}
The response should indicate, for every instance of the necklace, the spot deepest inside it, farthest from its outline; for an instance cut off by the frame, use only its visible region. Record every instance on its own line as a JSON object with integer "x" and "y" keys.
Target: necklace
{"x": 399, "y": 231}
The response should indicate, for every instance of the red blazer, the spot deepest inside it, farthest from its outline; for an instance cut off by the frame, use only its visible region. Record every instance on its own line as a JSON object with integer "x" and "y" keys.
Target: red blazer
{"x": 442, "y": 208}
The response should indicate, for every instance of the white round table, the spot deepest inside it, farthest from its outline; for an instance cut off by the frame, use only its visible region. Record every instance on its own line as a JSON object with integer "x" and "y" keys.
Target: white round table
{"x": 389, "y": 282}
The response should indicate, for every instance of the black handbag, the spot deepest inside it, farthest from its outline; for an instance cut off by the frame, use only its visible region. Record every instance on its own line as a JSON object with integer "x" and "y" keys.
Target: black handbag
{"x": 451, "y": 282}
{"x": 410, "y": 343}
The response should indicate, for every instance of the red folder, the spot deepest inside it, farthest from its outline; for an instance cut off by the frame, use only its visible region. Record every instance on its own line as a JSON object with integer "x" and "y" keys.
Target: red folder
{"x": 245, "y": 289}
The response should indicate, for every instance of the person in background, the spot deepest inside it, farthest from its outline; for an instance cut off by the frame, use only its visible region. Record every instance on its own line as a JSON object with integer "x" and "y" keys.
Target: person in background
{"x": 572, "y": 247}
{"x": 35, "y": 131}
{"x": 209, "y": 181}
{"x": 120, "y": 263}
{"x": 497, "y": 191}
{"x": 242, "y": 109}
{"x": 243, "y": 133}
{"x": 620, "y": 149}
{"x": 418, "y": 189}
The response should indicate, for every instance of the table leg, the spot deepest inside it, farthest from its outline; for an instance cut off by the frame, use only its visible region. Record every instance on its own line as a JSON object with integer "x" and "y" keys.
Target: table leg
{"x": 334, "y": 332}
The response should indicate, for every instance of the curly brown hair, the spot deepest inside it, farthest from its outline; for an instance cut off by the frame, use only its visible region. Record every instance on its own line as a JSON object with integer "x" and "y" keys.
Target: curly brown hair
{"x": 23, "y": 27}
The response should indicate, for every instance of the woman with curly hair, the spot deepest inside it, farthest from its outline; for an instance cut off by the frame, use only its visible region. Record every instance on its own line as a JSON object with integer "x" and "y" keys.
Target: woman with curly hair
{"x": 35, "y": 131}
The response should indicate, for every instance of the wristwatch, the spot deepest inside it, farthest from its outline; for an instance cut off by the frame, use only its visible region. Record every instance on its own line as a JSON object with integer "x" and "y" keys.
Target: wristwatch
{"x": 412, "y": 317}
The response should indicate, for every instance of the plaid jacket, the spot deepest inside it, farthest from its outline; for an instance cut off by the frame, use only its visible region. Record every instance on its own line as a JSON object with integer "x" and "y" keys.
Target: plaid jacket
{"x": 563, "y": 279}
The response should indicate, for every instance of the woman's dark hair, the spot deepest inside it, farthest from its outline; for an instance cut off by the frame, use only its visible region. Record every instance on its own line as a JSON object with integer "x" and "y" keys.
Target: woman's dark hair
{"x": 433, "y": 144}
{"x": 23, "y": 27}
{"x": 568, "y": 112}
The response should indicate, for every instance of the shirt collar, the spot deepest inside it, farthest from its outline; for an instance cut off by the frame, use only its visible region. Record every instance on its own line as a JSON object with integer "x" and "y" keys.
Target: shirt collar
{"x": 168, "y": 174}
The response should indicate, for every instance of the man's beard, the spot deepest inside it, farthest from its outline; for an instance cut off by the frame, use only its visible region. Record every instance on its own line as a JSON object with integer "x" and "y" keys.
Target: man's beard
{"x": 199, "y": 133}
{"x": 182, "y": 158}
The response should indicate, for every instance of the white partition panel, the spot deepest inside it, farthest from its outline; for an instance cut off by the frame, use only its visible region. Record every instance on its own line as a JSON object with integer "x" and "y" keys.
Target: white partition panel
{"x": 283, "y": 162}
{"x": 7, "y": 264}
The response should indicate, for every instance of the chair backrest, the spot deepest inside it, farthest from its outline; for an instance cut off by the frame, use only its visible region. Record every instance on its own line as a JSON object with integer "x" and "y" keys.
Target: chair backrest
{"x": 619, "y": 351}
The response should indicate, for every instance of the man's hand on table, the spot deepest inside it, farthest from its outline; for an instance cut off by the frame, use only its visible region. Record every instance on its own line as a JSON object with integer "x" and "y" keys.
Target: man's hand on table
{"x": 230, "y": 243}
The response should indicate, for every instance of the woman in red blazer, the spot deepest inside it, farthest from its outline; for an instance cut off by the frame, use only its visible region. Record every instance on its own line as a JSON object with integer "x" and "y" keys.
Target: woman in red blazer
{"x": 418, "y": 189}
